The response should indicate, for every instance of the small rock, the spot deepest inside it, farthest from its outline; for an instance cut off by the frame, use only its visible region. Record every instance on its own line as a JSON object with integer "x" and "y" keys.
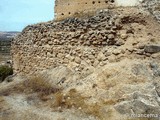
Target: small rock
{"x": 116, "y": 52}
{"x": 9, "y": 78}
{"x": 112, "y": 58}
{"x": 96, "y": 62}
{"x": 119, "y": 42}
{"x": 77, "y": 60}
{"x": 101, "y": 56}
{"x": 152, "y": 49}
{"x": 141, "y": 46}
{"x": 111, "y": 36}
{"x": 124, "y": 36}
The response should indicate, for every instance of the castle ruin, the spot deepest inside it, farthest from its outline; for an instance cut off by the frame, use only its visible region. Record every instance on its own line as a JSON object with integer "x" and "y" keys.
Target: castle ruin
{"x": 77, "y": 43}
{"x": 68, "y": 8}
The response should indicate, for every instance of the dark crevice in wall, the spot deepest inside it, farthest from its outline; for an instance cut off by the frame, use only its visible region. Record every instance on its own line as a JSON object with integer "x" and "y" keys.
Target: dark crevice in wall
{"x": 112, "y": 1}
{"x": 106, "y": 1}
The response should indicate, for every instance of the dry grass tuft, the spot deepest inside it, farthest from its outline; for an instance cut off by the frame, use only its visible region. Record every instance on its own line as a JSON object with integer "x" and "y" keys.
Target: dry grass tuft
{"x": 1, "y": 103}
{"x": 95, "y": 110}
{"x": 58, "y": 101}
{"x": 73, "y": 99}
{"x": 3, "y": 108}
{"x": 110, "y": 102}
{"x": 36, "y": 84}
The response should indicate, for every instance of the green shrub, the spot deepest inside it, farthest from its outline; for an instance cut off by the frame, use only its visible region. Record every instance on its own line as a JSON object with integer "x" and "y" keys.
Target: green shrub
{"x": 5, "y": 71}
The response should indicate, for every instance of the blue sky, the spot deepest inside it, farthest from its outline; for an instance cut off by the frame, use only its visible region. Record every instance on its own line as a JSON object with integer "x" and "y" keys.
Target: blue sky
{"x": 16, "y": 14}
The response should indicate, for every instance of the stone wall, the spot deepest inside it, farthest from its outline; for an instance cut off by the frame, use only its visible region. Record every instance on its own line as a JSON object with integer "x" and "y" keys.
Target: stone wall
{"x": 79, "y": 43}
{"x": 73, "y": 42}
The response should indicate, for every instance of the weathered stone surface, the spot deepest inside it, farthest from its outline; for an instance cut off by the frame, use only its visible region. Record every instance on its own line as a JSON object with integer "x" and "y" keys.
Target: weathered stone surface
{"x": 153, "y": 7}
{"x": 101, "y": 56}
{"x": 152, "y": 49}
{"x": 140, "y": 104}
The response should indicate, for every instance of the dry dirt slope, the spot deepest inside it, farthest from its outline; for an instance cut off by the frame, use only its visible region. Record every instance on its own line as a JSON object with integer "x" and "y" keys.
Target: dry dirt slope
{"x": 124, "y": 83}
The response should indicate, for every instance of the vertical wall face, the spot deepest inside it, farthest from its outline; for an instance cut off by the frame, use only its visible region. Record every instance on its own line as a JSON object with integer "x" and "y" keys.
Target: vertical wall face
{"x": 67, "y": 8}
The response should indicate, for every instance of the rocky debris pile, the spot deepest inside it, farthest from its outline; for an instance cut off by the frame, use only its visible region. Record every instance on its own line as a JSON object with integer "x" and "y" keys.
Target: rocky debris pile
{"x": 79, "y": 43}
{"x": 75, "y": 31}
{"x": 129, "y": 87}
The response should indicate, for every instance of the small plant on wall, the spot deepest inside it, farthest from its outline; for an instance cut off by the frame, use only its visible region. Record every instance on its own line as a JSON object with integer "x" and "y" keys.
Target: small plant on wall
{"x": 5, "y": 71}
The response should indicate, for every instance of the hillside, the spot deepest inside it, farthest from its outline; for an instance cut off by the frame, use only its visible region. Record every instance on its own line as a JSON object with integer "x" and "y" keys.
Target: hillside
{"x": 6, "y": 35}
{"x": 99, "y": 66}
{"x": 5, "y": 44}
